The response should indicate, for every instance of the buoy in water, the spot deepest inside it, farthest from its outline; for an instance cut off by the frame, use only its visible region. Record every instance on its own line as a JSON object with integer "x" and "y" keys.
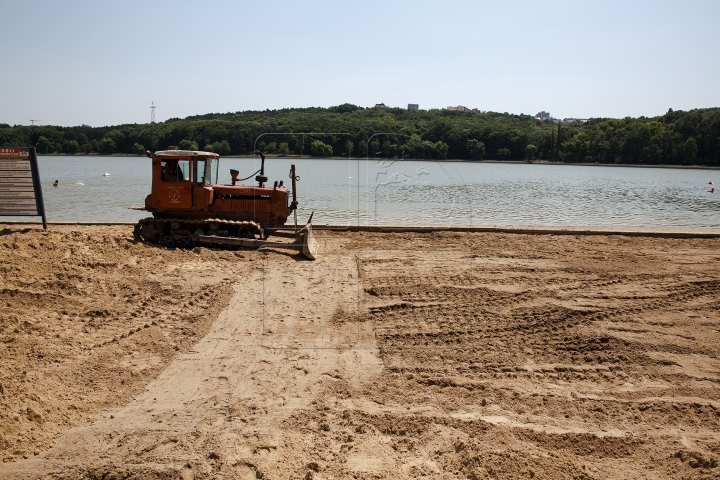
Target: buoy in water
{"x": 106, "y": 174}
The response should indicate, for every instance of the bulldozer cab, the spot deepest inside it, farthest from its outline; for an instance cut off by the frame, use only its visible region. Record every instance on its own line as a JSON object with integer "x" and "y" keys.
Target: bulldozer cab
{"x": 179, "y": 178}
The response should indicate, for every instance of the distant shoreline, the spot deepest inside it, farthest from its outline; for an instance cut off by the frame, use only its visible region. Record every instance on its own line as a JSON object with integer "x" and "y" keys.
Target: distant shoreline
{"x": 514, "y": 162}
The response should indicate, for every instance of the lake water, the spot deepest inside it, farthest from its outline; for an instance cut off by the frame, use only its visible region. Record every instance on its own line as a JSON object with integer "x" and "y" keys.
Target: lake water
{"x": 351, "y": 192}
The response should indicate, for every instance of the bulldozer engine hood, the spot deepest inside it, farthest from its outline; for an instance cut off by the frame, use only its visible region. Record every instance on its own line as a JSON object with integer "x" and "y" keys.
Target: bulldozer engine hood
{"x": 244, "y": 190}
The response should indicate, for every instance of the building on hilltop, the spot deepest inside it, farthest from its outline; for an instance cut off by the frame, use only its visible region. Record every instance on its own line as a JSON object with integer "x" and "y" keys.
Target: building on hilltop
{"x": 413, "y": 107}
{"x": 459, "y": 108}
{"x": 574, "y": 120}
{"x": 380, "y": 105}
{"x": 546, "y": 117}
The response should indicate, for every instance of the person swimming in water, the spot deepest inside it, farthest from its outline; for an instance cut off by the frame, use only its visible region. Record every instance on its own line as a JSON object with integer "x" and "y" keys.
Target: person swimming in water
{"x": 56, "y": 183}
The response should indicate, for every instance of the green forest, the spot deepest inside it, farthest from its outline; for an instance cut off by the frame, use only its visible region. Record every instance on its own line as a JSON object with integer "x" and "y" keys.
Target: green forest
{"x": 677, "y": 137}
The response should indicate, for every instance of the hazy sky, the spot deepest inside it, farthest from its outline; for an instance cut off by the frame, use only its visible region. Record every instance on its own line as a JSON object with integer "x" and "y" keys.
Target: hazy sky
{"x": 102, "y": 62}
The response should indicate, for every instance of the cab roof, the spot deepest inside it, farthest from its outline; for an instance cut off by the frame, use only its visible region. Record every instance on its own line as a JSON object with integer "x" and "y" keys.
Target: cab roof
{"x": 184, "y": 153}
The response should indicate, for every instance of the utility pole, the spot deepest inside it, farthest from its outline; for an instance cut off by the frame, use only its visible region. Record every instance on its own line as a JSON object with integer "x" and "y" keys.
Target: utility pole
{"x": 32, "y": 122}
{"x": 152, "y": 112}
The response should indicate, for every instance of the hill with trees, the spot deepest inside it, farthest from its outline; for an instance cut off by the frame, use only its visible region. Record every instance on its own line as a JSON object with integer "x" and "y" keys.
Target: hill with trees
{"x": 678, "y": 137}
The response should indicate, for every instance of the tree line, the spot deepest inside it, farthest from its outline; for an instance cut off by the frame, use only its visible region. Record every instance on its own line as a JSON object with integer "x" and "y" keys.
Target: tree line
{"x": 677, "y": 137}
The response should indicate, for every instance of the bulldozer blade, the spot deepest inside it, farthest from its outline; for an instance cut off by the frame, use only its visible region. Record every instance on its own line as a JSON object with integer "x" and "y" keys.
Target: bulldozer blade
{"x": 304, "y": 243}
{"x": 310, "y": 246}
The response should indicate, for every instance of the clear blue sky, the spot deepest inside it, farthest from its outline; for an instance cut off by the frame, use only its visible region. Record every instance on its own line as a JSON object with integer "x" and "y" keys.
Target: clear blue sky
{"x": 103, "y": 62}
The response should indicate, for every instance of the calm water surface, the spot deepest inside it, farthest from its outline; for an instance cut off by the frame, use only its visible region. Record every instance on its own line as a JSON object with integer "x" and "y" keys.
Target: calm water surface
{"x": 413, "y": 192}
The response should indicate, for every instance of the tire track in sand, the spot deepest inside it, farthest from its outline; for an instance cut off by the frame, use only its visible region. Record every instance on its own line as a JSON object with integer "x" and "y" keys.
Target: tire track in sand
{"x": 217, "y": 410}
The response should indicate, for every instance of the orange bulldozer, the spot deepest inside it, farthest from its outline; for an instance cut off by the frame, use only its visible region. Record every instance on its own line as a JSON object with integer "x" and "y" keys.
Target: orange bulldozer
{"x": 189, "y": 208}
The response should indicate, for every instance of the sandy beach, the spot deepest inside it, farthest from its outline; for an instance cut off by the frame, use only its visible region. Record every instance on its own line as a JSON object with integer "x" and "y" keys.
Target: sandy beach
{"x": 394, "y": 355}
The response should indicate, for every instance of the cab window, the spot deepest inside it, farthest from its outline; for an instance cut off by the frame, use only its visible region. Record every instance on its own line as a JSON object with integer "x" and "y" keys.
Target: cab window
{"x": 175, "y": 170}
{"x": 213, "y": 170}
{"x": 200, "y": 173}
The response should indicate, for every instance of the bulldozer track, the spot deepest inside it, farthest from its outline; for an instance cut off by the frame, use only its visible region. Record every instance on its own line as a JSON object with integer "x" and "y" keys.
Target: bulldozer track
{"x": 172, "y": 232}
